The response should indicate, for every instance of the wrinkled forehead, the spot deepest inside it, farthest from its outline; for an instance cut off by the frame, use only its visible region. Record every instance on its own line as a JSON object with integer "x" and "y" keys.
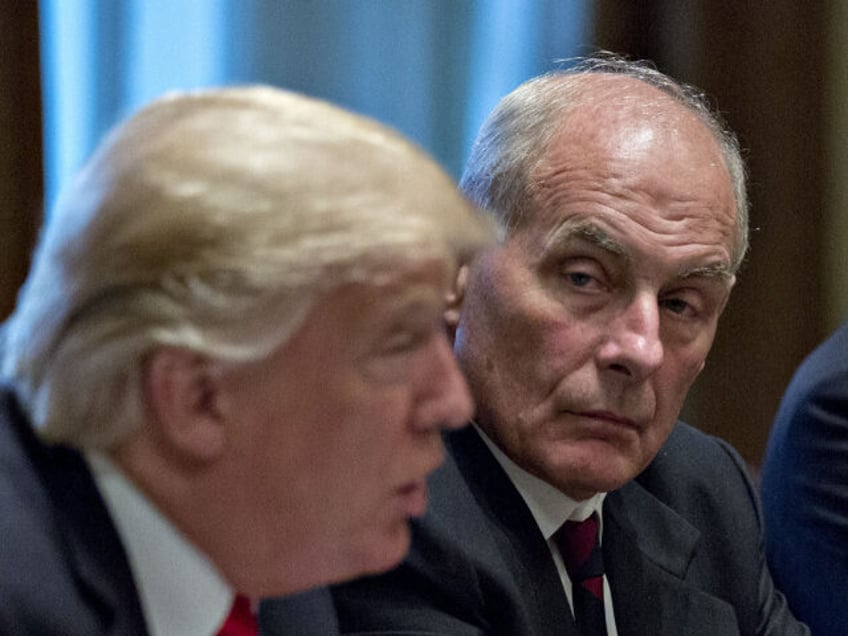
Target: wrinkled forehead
{"x": 627, "y": 138}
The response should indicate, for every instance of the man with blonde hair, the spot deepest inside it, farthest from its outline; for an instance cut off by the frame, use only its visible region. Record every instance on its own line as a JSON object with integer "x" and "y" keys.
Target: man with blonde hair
{"x": 226, "y": 374}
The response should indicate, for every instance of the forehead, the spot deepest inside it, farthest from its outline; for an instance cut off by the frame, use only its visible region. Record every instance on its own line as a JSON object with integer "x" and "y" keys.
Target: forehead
{"x": 416, "y": 284}
{"x": 635, "y": 160}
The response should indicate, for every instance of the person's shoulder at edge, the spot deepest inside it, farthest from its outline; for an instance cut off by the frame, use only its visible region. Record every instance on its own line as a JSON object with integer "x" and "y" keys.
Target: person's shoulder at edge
{"x": 824, "y": 363}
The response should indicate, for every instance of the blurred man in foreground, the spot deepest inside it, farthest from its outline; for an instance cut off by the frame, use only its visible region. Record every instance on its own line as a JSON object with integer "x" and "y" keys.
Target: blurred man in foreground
{"x": 227, "y": 371}
{"x": 578, "y": 504}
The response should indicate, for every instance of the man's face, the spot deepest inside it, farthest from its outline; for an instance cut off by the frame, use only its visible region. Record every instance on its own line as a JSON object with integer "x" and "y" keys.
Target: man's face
{"x": 581, "y": 334}
{"x": 342, "y": 427}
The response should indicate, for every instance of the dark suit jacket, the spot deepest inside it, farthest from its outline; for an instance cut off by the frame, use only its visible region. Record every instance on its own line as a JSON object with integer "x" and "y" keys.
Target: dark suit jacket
{"x": 805, "y": 489}
{"x": 682, "y": 549}
{"x": 63, "y": 569}
{"x": 308, "y": 614}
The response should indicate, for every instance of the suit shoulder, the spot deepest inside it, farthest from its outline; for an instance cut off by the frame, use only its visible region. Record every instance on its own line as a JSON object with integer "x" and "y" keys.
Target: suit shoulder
{"x": 694, "y": 451}
{"x": 36, "y": 580}
{"x": 23, "y": 497}
{"x": 694, "y": 468}
{"x": 821, "y": 367}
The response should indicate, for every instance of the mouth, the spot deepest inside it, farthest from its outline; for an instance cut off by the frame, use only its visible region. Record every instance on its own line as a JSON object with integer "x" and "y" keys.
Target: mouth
{"x": 413, "y": 493}
{"x": 608, "y": 418}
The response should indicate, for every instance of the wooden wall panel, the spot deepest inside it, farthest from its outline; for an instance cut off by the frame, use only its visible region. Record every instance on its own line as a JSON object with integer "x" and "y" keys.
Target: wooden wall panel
{"x": 21, "y": 181}
{"x": 764, "y": 64}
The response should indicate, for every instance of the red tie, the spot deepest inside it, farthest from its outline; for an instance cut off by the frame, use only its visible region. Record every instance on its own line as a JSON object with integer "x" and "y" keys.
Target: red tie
{"x": 580, "y": 547}
{"x": 241, "y": 620}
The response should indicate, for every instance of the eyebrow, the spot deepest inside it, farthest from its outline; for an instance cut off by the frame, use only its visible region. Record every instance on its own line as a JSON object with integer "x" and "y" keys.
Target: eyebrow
{"x": 719, "y": 271}
{"x": 588, "y": 231}
{"x": 597, "y": 236}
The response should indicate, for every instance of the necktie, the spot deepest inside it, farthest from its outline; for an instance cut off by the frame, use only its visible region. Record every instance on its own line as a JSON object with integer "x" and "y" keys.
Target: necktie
{"x": 579, "y": 544}
{"x": 241, "y": 620}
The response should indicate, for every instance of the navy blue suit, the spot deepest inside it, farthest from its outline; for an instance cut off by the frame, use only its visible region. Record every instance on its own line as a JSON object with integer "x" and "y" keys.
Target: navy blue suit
{"x": 805, "y": 489}
{"x": 682, "y": 551}
{"x": 63, "y": 568}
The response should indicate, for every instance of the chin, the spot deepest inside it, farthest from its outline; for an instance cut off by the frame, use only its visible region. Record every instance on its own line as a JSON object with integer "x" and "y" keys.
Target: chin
{"x": 613, "y": 473}
{"x": 584, "y": 477}
{"x": 386, "y": 549}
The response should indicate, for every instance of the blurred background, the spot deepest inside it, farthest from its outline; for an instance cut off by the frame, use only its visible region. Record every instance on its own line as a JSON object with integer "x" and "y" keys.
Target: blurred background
{"x": 777, "y": 70}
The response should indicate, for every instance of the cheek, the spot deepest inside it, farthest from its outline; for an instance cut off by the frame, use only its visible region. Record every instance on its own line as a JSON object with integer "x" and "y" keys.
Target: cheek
{"x": 674, "y": 383}
{"x": 369, "y": 440}
{"x": 340, "y": 480}
{"x": 518, "y": 343}
{"x": 367, "y": 470}
{"x": 689, "y": 367}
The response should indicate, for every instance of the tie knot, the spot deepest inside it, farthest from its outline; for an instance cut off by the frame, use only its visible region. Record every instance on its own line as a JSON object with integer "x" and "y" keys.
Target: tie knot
{"x": 580, "y": 548}
{"x": 241, "y": 620}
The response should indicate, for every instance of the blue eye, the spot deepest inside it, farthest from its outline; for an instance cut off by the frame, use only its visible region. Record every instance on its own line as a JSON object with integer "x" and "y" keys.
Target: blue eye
{"x": 579, "y": 279}
{"x": 583, "y": 275}
{"x": 675, "y": 305}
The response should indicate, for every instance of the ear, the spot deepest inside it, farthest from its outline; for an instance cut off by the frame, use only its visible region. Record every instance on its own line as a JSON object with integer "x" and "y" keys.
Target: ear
{"x": 454, "y": 300}
{"x": 180, "y": 395}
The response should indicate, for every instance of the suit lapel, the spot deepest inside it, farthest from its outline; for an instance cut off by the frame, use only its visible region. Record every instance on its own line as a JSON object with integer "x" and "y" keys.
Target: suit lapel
{"x": 526, "y": 554}
{"x": 648, "y": 551}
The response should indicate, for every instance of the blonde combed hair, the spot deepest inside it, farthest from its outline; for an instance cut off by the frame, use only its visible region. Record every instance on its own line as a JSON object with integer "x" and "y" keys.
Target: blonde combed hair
{"x": 212, "y": 220}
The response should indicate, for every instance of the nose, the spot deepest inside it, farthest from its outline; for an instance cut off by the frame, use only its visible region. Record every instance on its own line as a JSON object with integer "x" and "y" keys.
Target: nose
{"x": 445, "y": 401}
{"x": 633, "y": 347}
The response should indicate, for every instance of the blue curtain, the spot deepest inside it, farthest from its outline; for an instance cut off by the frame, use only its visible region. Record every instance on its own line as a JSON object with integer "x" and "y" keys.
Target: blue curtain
{"x": 430, "y": 68}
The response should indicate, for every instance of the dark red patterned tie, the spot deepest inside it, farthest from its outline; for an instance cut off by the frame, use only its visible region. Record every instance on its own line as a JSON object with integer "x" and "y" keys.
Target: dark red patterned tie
{"x": 241, "y": 620}
{"x": 580, "y": 547}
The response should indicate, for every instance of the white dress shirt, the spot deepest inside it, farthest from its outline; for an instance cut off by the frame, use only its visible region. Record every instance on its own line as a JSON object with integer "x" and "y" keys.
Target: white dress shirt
{"x": 551, "y": 508}
{"x": 181, "y": 591}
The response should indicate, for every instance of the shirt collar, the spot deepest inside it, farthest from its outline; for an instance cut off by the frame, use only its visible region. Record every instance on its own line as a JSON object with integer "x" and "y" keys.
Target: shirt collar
{"x": 181, "y": 591}
{"x": 549, "y": 506}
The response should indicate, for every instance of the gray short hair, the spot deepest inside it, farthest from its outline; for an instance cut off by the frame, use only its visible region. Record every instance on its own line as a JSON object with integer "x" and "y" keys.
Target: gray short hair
{"x": 516, "y": 134}
{"x": 213, "y": 220}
